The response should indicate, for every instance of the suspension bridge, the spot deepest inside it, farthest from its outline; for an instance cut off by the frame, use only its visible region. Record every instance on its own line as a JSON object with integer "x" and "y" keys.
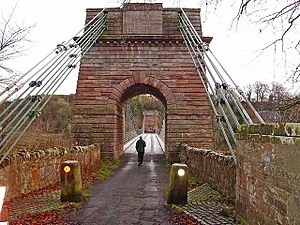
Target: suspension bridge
{"x": 125, "y": 52}
{"x": 146, "y": 57}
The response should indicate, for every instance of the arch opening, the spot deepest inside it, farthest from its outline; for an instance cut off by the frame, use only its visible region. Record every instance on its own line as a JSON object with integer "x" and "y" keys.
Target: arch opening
{"x": 142, "y": 111}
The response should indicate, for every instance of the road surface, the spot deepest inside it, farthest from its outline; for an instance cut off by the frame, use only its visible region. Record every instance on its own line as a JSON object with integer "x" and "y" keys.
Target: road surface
{"x": 133, "y": 195}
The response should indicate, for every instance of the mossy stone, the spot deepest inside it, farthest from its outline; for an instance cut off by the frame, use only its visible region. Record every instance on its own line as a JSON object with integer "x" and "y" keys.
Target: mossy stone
{"x": 177, "y": 190}
{"x": 71, "y": 182}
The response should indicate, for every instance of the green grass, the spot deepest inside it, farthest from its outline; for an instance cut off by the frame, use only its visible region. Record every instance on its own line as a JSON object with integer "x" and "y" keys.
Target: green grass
{"x": 86, "y": 194}
{"x": 192, "y": 180}
{"x": 107, "y": 168}
{"x": 76, "y": 205}
{"x": 167, "y": 167}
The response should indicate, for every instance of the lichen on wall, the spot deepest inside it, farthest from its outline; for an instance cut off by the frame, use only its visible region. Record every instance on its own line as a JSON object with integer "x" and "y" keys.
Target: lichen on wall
{"x": 214, "y": 168}
{"x": 268, "y": 190}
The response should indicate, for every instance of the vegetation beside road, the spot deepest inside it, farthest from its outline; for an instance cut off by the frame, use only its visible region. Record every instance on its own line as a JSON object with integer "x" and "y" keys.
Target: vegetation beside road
{"x": 103, "y": 171}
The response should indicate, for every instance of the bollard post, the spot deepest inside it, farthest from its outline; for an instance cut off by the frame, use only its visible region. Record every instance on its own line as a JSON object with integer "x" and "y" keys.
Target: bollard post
{"x": 71, "y": 184}
{"x": 177, "y": 191}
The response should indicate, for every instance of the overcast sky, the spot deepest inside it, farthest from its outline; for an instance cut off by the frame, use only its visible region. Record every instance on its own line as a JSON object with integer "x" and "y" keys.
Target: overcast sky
{"x": 58, "y": 20}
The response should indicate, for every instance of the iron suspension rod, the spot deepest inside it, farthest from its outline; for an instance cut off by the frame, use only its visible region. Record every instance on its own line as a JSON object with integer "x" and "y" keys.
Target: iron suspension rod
{"x": 25, "y": 74}
{"x": 189, "y": 44}
{"x": 242, "y": 112}
{"x": 54, "y": 66}
{"x": 28, "y": 125}
{"x": 21, "y": 85}
{"x": 4, "y": 143}
{"x": 99, "y": 32}
{"x": 20, "y": 96}
{"x": 211, "y": 75}
{"x": 211, "y": 103}
{"x": 241, "y": 92}
{"x": 244, "y": 116}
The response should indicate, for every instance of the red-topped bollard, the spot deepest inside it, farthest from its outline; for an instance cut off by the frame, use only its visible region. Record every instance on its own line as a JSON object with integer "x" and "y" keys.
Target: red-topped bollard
{"x": 177, "y": 191}
{"x": 71, "y": 184}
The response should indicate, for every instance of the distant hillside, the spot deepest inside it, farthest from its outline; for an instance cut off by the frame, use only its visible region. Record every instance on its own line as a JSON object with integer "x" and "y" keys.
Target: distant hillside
{"x": 52, "y": 128}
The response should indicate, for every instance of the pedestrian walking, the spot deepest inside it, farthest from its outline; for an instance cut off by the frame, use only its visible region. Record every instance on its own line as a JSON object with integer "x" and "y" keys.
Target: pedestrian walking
{"x": 140, "y": 148}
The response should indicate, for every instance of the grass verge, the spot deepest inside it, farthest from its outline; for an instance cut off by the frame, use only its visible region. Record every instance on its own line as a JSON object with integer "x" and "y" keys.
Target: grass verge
{"x": 103, "y": 171}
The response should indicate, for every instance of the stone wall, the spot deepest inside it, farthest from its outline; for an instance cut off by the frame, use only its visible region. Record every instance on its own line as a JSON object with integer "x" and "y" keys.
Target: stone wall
{"x": 268, "y": 174}
{"x": 211, "y": 167}
{"x": 29, "y": 171}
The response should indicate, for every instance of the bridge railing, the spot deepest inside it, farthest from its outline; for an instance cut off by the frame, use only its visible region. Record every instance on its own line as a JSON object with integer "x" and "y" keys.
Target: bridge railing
{"x": 131, "y": 128}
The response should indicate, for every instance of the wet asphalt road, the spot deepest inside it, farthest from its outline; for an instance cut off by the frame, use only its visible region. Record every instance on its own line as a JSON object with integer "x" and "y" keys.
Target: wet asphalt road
{"x": 133, "y": 195}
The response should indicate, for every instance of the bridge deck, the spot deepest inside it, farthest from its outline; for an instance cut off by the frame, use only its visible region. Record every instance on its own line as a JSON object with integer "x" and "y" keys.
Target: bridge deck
{"x": 154, "y": 145}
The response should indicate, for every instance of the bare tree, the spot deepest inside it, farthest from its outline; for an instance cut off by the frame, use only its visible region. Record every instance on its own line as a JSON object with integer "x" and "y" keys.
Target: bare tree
{"x": 282, "y": 18}
{"x": 248, "y": 91}
{"x": 278, "y": 93}
{"x": 12, "y": 42}
{"x": 261, "y": 91}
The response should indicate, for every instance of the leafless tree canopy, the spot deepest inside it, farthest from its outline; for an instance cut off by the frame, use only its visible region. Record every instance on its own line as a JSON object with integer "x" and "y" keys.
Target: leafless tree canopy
{"x": 12, "y": 40}
{"x": 274, "y": 92}
{"x": 287, "y": 14}
{"x": 282, "y": 18}
{"x": 274, "y": 98}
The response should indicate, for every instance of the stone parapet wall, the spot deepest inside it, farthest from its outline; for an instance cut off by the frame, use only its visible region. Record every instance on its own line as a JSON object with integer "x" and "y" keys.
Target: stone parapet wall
{"x": 268, "y": 174}
{"x": 214, "y": 168}
{"x": 29, "y": 171}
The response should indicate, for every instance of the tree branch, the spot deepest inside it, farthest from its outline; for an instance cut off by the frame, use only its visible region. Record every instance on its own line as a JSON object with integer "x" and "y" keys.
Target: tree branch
{"x": 12, "y": 38}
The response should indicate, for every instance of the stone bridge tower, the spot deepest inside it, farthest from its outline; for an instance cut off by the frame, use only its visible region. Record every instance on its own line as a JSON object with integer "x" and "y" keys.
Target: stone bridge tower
{"x": 141, "y": 52}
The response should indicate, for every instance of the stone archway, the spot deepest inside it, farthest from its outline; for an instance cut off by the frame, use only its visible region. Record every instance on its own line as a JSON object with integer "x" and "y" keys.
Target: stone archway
{"x": 133, "y": 88}
{"x": 129, "y": 60}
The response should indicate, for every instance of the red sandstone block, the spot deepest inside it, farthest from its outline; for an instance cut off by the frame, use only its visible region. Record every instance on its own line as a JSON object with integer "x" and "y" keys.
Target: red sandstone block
{"x": 155, "y": 83}
{"x": 168, "y": 93}
{"x": 146, "y": 79}
{"x": 143, "y": 77}
{"x": 111, "y": 102}
{"x": 159, "y": 85}
{"x": 136, "y": 77}
{"x": 120, "y": 89}
{"x": 4, "y": 213}
{"x": 131, "y": 81}
{"x": 114, "y": 97}
{"x": 127, "y": 83}
{"x": 85, "y": 101}
{"x": 171, "y": 101}
{"x": 116, "y": 93}
{"x": 151, "y": 80}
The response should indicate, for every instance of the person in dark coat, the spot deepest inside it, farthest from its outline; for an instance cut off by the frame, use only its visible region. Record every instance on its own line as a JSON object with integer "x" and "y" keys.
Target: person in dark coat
{"x": 140, "y": 148}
